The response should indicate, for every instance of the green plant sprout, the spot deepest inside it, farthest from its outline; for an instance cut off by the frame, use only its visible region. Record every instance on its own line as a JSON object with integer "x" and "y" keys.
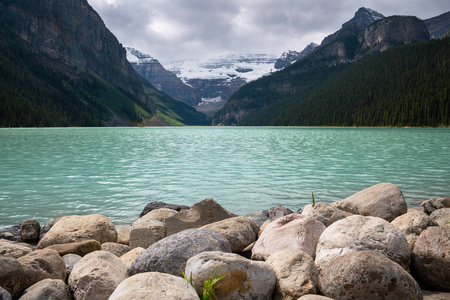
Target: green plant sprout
{"x": 190, "y": 278}
{"x": 208, "y": 285}
{"x": 313, "y": 200}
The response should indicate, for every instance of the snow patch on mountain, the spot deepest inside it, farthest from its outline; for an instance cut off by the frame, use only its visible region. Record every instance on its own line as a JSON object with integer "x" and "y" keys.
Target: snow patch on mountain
{"x": 374, "y": 14}
{"x": 249, "y": 67}
{"x": 137, "y": 57}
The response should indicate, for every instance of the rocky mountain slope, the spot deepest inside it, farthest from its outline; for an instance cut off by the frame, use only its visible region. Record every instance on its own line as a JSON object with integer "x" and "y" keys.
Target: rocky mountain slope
{"x": 73, "y": 38}
{"x": 362, "y": 19}
{"x": 290, "y": 57}
{"x": 63, "y": 67}
{"x": 335, "y": 53}
{"x": 216, "y": 79}
{"x": 439, "y": 26}
{"x": 164, "y": 80}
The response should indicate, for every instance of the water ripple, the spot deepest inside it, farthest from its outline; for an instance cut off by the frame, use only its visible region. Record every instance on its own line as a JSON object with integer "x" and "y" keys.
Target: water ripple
{"x": 115, "y": 171}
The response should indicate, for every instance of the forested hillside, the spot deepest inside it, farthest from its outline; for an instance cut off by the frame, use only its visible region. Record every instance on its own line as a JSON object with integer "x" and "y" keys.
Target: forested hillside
{"x": 389, "y": 74}
{"x": 407, "y": 85}
{"x": 60, "y": 66}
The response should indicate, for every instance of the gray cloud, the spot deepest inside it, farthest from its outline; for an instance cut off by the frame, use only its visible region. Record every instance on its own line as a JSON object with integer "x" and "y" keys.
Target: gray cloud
{"x": 177, "y": 29}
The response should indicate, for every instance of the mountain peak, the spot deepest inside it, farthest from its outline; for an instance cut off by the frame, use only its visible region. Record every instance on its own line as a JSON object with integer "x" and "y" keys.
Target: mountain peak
{"x": 290, "y": 57}
{"x": 363, "y": 18}
{"x": 135, "y": 56}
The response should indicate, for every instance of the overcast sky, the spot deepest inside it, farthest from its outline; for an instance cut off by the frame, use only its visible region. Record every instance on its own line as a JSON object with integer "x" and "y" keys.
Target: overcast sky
{"x": 170, "y": 30}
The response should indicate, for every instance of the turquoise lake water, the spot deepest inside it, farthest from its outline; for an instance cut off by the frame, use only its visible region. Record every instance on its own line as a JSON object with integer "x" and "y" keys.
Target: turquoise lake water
{"x": 47, "y": 173}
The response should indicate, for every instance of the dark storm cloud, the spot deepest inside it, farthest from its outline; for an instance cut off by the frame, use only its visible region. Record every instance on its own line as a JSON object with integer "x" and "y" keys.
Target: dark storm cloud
{"x": 175, "y": 29}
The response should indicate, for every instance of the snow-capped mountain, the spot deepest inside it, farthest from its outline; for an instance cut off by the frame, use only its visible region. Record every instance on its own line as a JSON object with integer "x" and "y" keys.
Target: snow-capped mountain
{"x": 290, "y": 57}
{"x": 164, "y": 80}
{"x": 248, "y": 67}
{"x": 137, "y": 57}
{"x": 216, "y": 79}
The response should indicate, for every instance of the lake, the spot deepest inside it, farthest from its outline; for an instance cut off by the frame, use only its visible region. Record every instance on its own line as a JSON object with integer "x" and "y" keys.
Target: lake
{"x": 47, "y": 173}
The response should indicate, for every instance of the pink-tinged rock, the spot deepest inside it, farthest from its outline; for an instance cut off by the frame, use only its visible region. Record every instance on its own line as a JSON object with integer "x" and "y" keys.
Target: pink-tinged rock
{"x": 383, "y": 200}
{"x": 72, "y": 229}
{"x": 243, "y": 278}
{"x": 291, "y": 232}
{"x": 97, "y": 275}
{"x": 366, "y": 275}
{"x": 412, "y": 224}
{"x": 152, "y": 286}
{"x": 360, "y": 233}
{"x": 296, "y": 274}
{"x": 123, "y": 235}
{"x": 431, "y": 258}
{"x": 131, "y": 255}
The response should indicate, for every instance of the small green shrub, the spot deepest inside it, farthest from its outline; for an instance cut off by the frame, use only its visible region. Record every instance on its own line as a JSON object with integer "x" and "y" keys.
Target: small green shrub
{"x": 208, "y": 285}
{"x": 313, "y": 200}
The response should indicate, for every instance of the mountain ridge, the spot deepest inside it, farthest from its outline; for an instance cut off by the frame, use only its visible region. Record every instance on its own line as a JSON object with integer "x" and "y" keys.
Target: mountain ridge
{"x": 306, "y": 74}
{"x": 152, "y": 70}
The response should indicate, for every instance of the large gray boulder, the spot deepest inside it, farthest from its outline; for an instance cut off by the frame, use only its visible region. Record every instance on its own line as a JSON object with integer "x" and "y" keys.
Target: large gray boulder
{"x": 366, "y": 275}
{"x": 431, "y": 258}
{"x": 12, "y": 276}
{"x": 243, "y": 278}
{"x": 158, "y": 204}
{"x": 13, "y": 249}
{"x": 29, "y": 231}
{"x": 170, "y": 254}
{"x": 152, "y": 286}
{"x": 97, "y": 275}
{"x": 294, "y": 232}
{"x": 146, "y": 231}
{"x": 42, "y": 264}
{"x": 47, "y": 289}
{"x": 359, "y": 233}
{"x": 325, "y": 213}
{"x": 80, "y": 248}
{"x": 383, "y": 200}
{"x": 412, "y": 224}
{"x": 72, "y": 229}
{"x": 296, "y": 274}
{"x": 239, "y": 231}
{"x": 441, "y": 216}
{"x": 204, "y": 212}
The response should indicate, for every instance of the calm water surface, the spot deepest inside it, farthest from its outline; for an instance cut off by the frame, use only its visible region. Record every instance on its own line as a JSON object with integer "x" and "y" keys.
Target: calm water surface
{"x": 47, "y": 173}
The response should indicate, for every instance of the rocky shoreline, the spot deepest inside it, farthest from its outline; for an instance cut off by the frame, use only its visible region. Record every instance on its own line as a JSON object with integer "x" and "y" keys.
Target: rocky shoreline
{"x": 367, "y": 246}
